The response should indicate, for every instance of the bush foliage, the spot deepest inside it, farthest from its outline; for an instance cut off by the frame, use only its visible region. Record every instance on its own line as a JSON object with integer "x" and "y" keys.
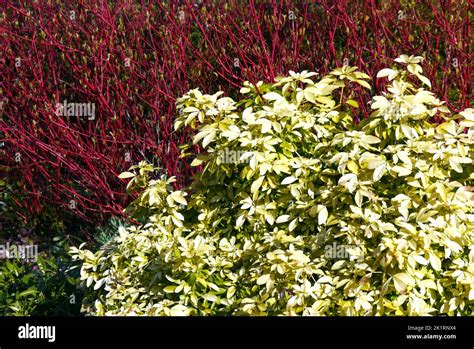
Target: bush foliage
{"x": 297, "y": 210}
{"x": 45, "y": 289}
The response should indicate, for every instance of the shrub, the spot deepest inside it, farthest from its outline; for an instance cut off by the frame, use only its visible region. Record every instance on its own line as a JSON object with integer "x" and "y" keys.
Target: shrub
{"x": 47, "y": 287}
{"x": 105, "y": 233}
{"x": 318, "y": 216}
{"x": 130, "y": 58}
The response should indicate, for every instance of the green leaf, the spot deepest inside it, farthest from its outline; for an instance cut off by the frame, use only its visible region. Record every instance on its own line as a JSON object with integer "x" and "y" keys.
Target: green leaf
{"x": 29, "y": 292}
{"x": 379, "y": 172}
{"x": 352, "y": 103}
{"x": 179, "y": 198}
{"x": 322, "y": 215}
{"x": 288, "y": 180}
{"x": 338, "y": 265}
{"x": 124, "y": 175}
{"x": 435, "y": 261}
{"x": 256, "y": 185}
{"x": 211, "y": 297}
{"x": 208, "y": 139}
{"x": 263, "y": 279}
{"x": 269, "y": 217}
{"x": 424, "y": 79}
{"x": 371, "y": 139}
{"x": 272, "y": 96}
{"x": 196, "y": 162}
{"x": 353, "y": 167}
{"x": 293, "y": 224}
{"x": 282, "y": 219}
{"x": 169, "y": 289}
{"x": 390, "y": 73}
{"x": 402, "y": 281}
{"x": 364, "y": 84}
{"x": 230, "y": 292}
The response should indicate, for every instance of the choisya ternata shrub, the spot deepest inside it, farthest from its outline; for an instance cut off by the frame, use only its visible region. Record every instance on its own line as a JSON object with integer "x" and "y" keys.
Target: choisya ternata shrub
{"x": 297, "y": 211}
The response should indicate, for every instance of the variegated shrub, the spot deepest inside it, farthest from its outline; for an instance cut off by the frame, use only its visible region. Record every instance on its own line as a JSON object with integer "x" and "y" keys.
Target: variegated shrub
{"x": 311, "y": 215}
